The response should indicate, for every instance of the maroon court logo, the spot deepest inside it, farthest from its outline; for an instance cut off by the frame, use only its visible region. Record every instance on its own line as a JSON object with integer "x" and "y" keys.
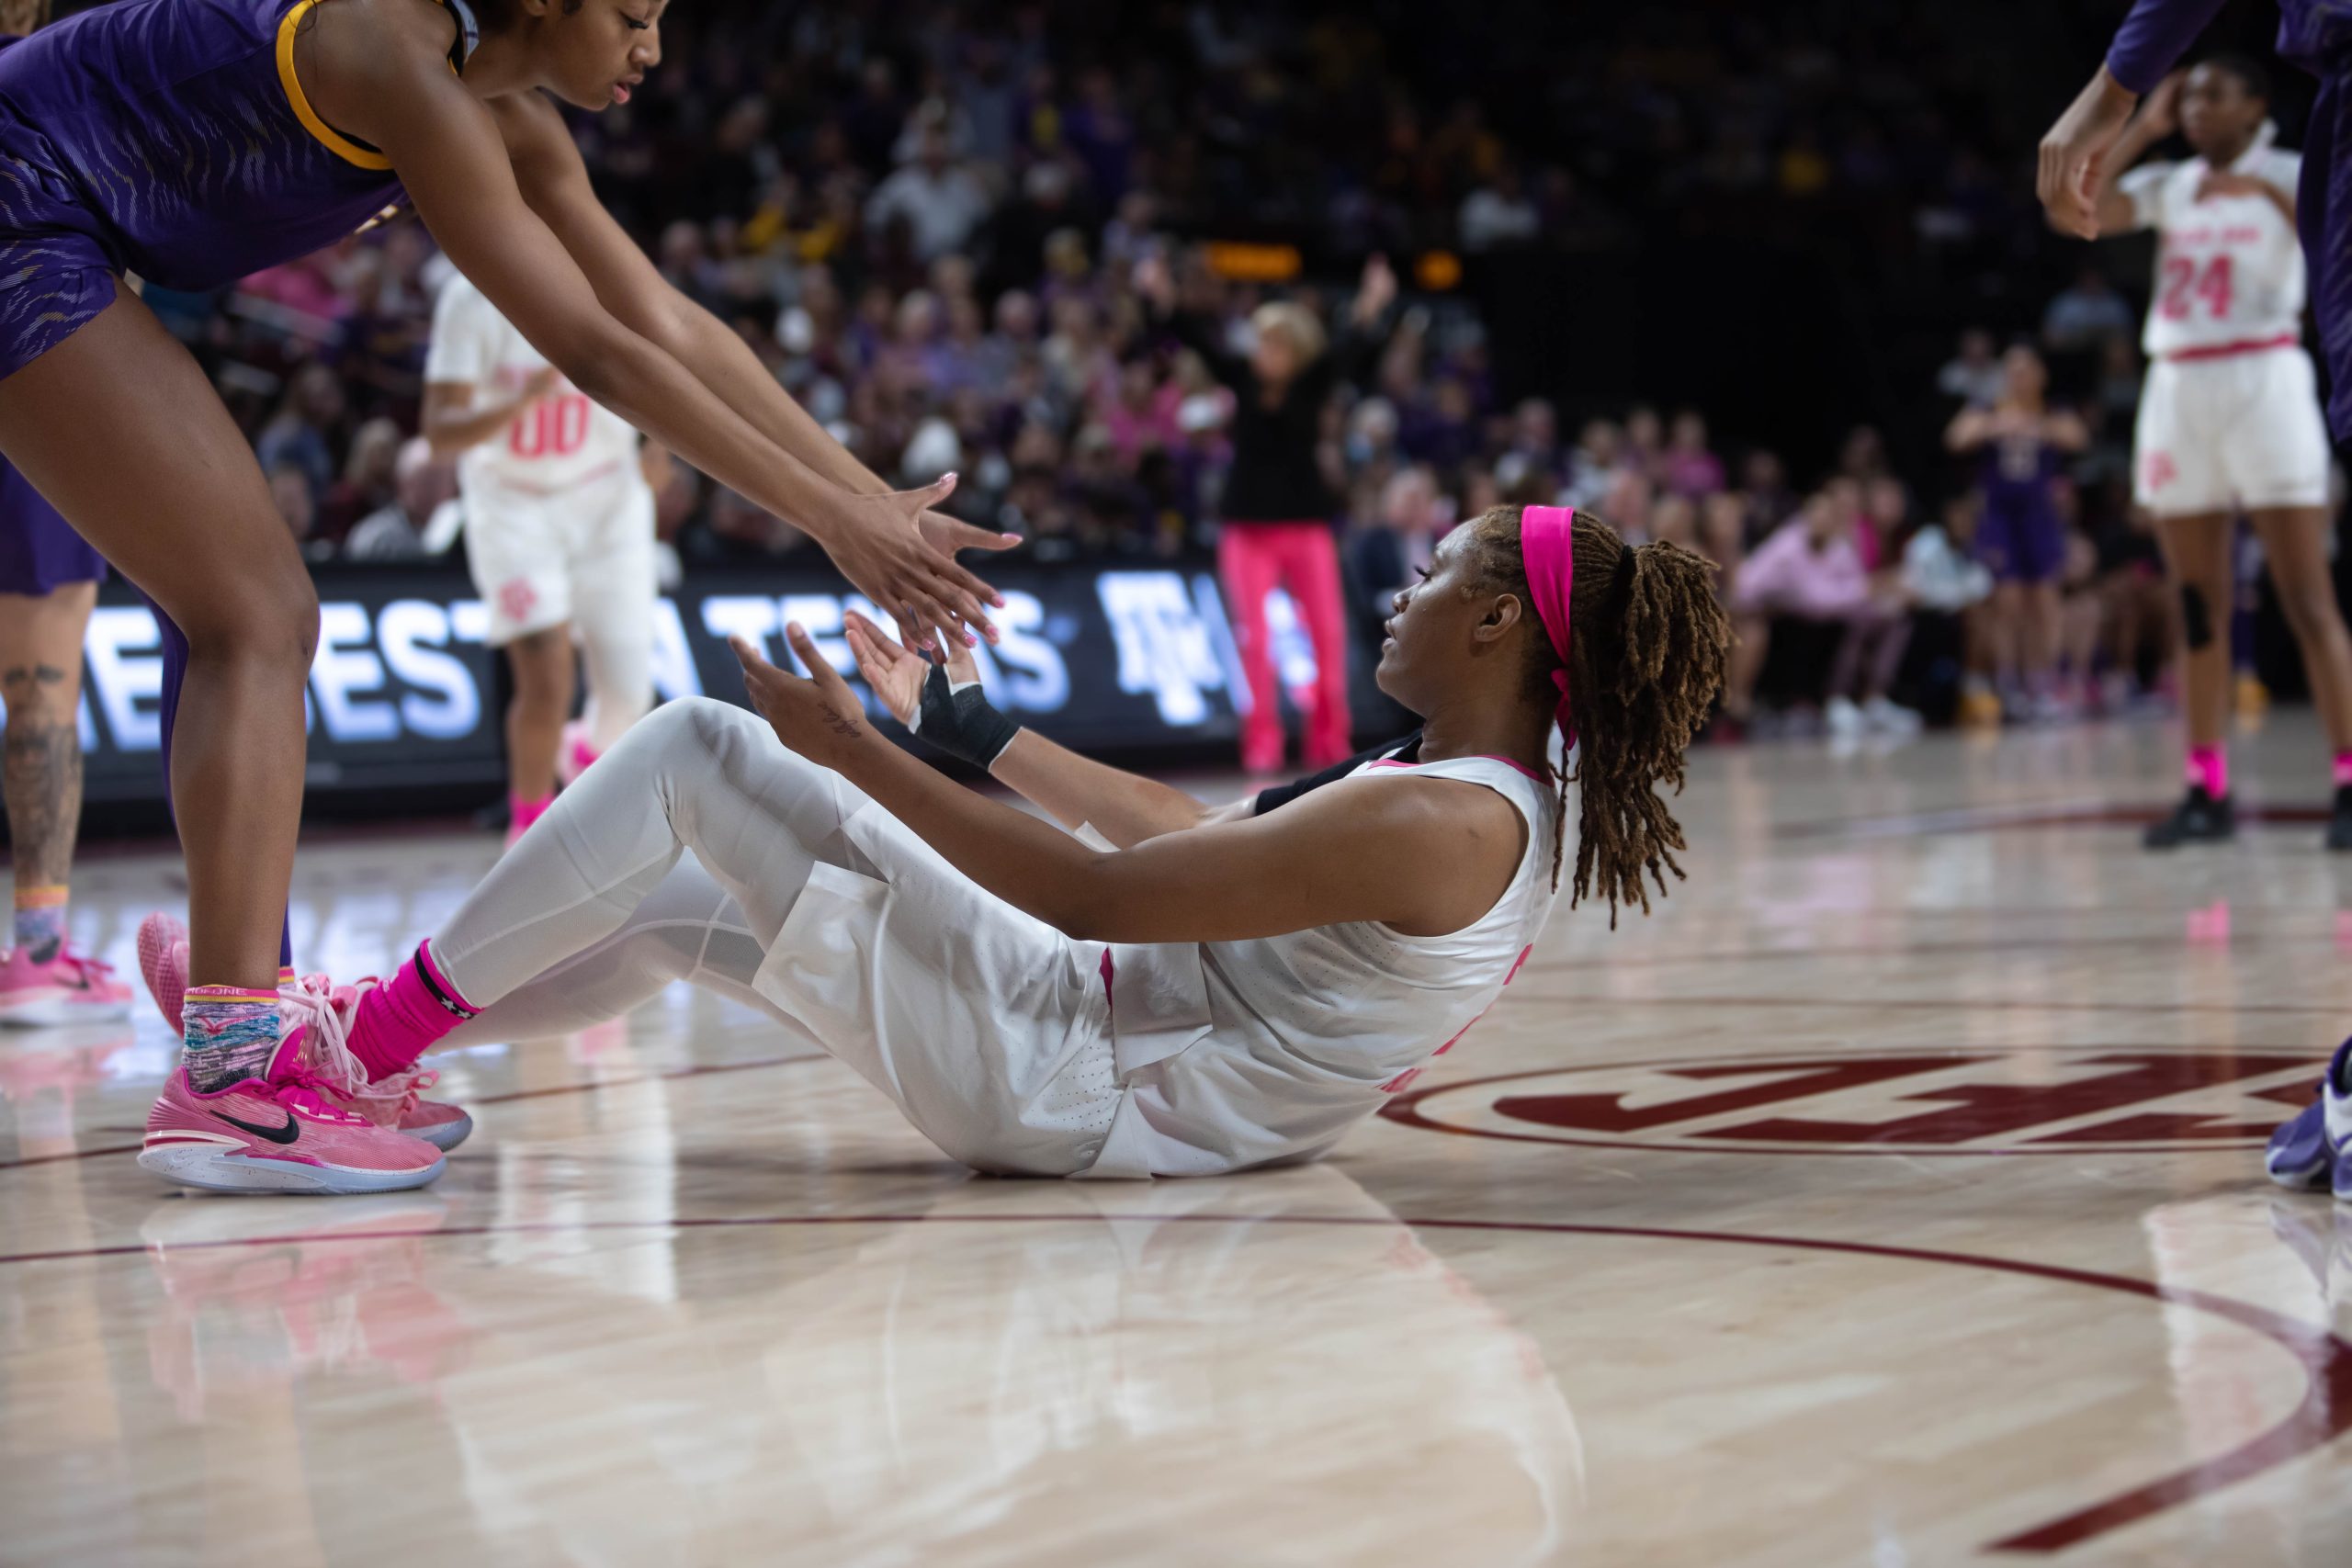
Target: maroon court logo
{"x": 1993, "y": 1100}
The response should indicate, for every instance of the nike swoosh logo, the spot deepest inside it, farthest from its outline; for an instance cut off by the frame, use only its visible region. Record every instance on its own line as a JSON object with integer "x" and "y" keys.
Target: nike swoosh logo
{"x": 285, "y": 1135}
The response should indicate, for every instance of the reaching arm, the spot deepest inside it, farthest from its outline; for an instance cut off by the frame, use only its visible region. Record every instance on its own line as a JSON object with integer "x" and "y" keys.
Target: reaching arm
{"x": 554, "y": 181}
{"x": 452, "y": 423}
{"x": 1333, "y": 857}
{"x": 393, "y": 88}
{"x": 2114, "y": 211}
{"x": 2076, "y": 148}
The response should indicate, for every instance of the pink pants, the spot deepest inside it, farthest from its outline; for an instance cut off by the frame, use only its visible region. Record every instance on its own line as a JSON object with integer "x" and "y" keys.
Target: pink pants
{"x": 1303, "y": 559}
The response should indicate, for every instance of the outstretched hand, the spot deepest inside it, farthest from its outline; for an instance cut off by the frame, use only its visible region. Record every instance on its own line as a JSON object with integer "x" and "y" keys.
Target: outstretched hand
{"x": 898, "y": 551}
{"x": 817, "y": 715}
{"x": 895, "y": 673}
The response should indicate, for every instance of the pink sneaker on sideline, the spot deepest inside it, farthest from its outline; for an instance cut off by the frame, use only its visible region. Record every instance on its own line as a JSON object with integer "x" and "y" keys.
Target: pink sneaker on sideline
{"x": 277, "y": 1133}
{"x": 67, "y": 990}
{"x": 395, "y": 1101}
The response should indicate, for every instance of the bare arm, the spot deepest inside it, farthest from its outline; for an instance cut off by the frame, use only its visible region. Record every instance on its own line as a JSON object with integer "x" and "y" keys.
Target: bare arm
{"x": 452, "y": 423}
{"x": 2064, "y": 430}
{"x": 393, "y": 88}
{"x": 554, "y": 182}
{"x": 2157, "y": 117}
{"x": 1970, "y": 429}
{"x": 1331, "y": 857}
{"x": 1124, "y": 807}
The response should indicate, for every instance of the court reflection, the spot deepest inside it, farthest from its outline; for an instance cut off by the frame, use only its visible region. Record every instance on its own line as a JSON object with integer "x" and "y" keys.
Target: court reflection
{"x": 1007, "y": 1371}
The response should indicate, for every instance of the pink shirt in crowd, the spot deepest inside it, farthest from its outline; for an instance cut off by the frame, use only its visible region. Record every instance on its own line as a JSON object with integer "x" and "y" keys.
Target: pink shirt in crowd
{"x": 1786, "y": 573}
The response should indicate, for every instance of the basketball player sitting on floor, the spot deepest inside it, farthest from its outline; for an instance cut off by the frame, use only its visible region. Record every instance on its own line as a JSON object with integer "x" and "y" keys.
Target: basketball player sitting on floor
{"x": 1228, "y": 987}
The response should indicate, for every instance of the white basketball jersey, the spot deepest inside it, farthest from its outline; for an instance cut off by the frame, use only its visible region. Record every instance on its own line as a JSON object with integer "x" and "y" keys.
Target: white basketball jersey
{"x": 559, "y": 441}
{"x": 1244, "y": 1052}
{"x": 2229, "y": 268}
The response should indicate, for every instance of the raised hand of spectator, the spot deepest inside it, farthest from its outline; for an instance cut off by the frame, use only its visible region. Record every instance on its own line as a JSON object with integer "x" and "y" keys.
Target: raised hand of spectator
{"x": 1376, "y": 292}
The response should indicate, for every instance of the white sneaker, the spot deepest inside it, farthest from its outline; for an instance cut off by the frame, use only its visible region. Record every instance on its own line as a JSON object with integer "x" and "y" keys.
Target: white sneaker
{"x": 1844, "y": 718}
{"x": 1891, "y": 718}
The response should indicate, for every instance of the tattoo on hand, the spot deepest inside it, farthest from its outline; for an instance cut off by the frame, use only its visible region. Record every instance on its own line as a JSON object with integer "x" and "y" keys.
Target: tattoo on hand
{"x": 847, "y": 728}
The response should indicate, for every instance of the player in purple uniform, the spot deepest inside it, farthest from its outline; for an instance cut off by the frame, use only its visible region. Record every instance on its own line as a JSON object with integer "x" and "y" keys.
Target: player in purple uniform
{"x": 193, "y": 141}
{"x": 48, "y": 583}
{"x": 2021, "y": 537}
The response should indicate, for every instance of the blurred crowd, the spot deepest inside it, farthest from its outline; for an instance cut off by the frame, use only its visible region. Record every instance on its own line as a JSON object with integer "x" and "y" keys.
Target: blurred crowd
{"x": 928, "y": 220}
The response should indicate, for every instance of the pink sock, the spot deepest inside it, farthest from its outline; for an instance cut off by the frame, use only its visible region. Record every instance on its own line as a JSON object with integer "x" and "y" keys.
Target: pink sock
{"x": 583, "y": 756}
{"x": 2342, "y": 768}
{"x": 2210, "y": 766}
{"x": 398, "y": 1021}
{"x": 526, "y": 812}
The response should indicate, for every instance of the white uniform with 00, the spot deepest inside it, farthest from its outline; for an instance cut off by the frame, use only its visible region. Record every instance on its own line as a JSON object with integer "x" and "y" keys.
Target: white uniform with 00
{"x": 2230, "y": 418}
{"x": 558, "y": 517}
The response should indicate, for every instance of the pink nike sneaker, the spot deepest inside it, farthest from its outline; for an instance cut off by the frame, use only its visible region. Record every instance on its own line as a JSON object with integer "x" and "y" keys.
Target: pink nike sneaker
{"x": 277, "y": 1133}
{"x": 69, "y": 988}
{"x": 163, "y": 963}
{"x": 396, "y": 1102}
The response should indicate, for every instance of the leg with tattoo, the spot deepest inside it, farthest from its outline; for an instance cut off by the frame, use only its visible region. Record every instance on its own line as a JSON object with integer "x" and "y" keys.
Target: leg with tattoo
{"x": 41, "y": 981}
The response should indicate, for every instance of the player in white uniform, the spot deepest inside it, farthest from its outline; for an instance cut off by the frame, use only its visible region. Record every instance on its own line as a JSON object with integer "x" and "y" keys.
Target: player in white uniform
{"x": 2230, "y": 421}
{"x": 558, "y": 535}
{"x": 1225, "y": 989}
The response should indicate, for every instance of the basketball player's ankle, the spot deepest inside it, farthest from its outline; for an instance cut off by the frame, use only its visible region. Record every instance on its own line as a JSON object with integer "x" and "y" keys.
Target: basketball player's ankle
{"x": 2342, "y": 768}
{"x": 40, "y": 923}
{"x": 398, "y": 1021}
{"x": 2209, "y": 769}
{"x": 523, "y": 810}
{"x": 228, "y": 1033}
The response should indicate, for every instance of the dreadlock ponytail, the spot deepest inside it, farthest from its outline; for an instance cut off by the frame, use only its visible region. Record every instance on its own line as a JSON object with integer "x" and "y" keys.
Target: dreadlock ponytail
{"x": 1647, "y": 644}
{"x": 1645, "y": 659}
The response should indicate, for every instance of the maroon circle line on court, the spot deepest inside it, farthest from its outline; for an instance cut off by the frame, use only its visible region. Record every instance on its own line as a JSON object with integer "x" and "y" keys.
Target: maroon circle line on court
{"x": 2324, "y": 1414}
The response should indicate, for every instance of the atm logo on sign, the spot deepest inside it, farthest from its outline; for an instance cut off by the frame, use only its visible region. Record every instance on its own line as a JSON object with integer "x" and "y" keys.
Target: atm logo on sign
{"x": 2004, "y": 1100}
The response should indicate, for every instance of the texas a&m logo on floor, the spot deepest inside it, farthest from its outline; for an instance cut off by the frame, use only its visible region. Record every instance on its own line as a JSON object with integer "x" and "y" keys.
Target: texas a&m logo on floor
{"x": 1995, "y": 1100}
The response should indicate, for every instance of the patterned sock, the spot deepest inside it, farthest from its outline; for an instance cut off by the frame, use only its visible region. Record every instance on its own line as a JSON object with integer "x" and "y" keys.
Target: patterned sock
{"x": 2342, "y": 768}
{"x": 2210, "y": 766}
{"x": 398, "y": 1021}
{"x": 526, "y": 812}
{"x": 40, "y": 923}
{"x": 228, "y": 1034}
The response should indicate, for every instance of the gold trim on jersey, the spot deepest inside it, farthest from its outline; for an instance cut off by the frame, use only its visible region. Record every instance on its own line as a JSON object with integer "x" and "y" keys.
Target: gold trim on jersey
{"x": 342, "y": 146}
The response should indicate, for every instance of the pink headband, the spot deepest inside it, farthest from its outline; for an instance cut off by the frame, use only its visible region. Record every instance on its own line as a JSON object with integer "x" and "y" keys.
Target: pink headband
{"x": 1547, "y": 548}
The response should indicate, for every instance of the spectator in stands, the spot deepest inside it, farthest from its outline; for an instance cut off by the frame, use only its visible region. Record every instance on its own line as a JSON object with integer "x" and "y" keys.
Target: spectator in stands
{"x": 1592, "y": 466}
{"x": 1277, "y": 506}
{"x": 290, "y": 492}
{"x": 1499, "y": 213}
{"x": 1809, "y": 570}
{"x": 399, "y": 530}
{"x": 940, "y": 202}
{"x": 1973, "y": 374}
{"x": 301, "y": 435}
{"x": 2087, "y": 312}
{"x": 366, "y": 481}
{"x": 1688, "y": 469}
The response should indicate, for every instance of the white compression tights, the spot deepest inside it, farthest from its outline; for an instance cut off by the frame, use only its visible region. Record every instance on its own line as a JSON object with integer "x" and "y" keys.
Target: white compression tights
{"x": 599, "y": 907}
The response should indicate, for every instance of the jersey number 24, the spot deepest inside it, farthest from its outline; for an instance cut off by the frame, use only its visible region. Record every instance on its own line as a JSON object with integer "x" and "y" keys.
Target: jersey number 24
{"x": 2186, "y": 282}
